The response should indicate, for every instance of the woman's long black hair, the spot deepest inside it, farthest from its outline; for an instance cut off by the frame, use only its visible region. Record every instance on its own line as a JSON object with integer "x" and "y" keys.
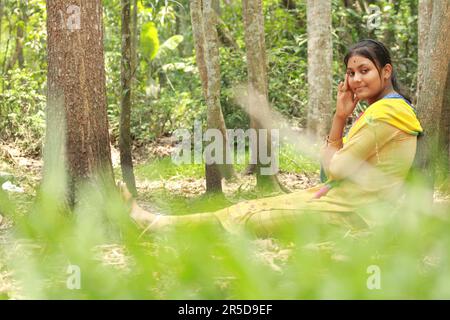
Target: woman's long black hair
{"x": 376, "y": 52}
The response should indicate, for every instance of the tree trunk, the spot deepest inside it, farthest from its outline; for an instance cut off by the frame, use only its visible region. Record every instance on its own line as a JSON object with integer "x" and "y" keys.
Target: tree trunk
{"x": 225, "y": 35}
{"x": 215, "y": 118}
{"x": 424, "y": 22}
{"x": 320, "y": 66}
{"x": 288, "y": 4}
{"x": 126, "y": 160}
{"x": 182, "y": 27}
{"x": 199, "y": 40}
{"x": 20, "y": 27}
{"x": 134, "y": 37}
{"x": 389, "y": 33}
{"x": 1, "y": 23}
{"x": 7, "y": 63}
{"x": 349, "y": 3}
{"x": 1, "y": 19}
{"x": 207, "y": 55}
{"x": 5, "y": 55}
{"x": 77, "y": 125}
{"x": 216, "y": 6}
{"x": 21, "y": 33}
{"x": 19, "y": 47}
{"x": 258, "y": 92}
{"x": 431, "y": 92}
{"x": 444, "y": 131}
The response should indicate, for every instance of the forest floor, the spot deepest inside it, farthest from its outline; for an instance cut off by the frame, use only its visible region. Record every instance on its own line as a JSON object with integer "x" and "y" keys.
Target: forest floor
{"x": 184, "y": 188}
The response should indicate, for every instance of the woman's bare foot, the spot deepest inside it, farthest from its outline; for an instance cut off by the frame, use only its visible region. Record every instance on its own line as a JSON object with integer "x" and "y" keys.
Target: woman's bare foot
{"x": 144, "y": 219}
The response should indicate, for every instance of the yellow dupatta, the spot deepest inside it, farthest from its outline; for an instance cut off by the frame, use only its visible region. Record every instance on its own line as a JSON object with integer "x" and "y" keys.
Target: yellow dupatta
{"x": 394, "y": 111}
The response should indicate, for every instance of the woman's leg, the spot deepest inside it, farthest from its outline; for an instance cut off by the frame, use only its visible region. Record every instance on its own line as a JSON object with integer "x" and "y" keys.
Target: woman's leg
{"x": 261, "y": 217}
{"x": 153, "y": 222}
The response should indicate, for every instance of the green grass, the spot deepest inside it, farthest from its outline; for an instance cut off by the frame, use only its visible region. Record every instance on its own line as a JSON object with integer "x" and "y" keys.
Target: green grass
{"x": 164, "y": 168}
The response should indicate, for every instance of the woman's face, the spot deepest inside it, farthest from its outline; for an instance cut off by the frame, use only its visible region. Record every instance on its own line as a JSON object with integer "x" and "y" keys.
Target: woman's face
{"x": 364, "y": 79}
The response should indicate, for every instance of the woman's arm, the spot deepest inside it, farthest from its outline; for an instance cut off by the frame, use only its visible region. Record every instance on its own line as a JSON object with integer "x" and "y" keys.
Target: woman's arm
{"x": 345, "y": 104}
{"x": 334, "y": 140}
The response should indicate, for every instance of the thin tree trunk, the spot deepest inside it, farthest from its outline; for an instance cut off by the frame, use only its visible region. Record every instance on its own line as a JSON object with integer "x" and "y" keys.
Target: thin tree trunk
{"x": 444, "y": 131}
{"x": 182, "y": 27}
{"x": 5, "y": 66}
{"x": 126, "y": 160}
{"x": 431, "y": 92}
{"x": 207, "y": 55}
{"x": 178, "y": 27}
{"x": 199, "y": 40}
{"x": 258, "y": 92}
{"x": 349, "y": 3}
{"x": 19, "y": 47}
{"x": 289, "y": 4}
{"x": 21, "y": 33}
{"x": 216, "y": 6}
{"x": 389, "y": 33}
{"x": 1, "y": 19}
{"x": 1, "y": 33}
{"x": 424, "y": 22}
{"x": 134, "y": 37}
{"x": 77, "y": 125}
{"x": 320, "y": 66}
{"x": 215, "y": 118}
{"x": 19, "y": 39}
{"x": 225, "y": 35}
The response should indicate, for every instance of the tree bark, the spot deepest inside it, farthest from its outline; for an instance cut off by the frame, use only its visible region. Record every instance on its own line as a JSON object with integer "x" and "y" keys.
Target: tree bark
{"x": 18, "y": 56}
{"x": 6, "y": 64}
{"x": 444, "y": 130}
{"x": 77, "y": 126}
{"x": 225, "y": 35}
{"x": 431, "y": 92}
{"x": 288, "y": 4}
{"x": 215, "y": 119}
{"x": 424, "y": 22}
{"x": 349, "y": 3}
{"x": 216, "y": 6}
{"x": 134, "y": 37}
{"x": 207, "y": 54}
{"x": 258, "y": 92}
{"x": 389, "y": 33}
{"x": 1, "y": 33}
{"x": 1, "y": 19}
{"x": 199, "y": 40}
{"x": 126, "y": 160}
{"x": 320, "y": 66}
{"x": 21, "y": 33}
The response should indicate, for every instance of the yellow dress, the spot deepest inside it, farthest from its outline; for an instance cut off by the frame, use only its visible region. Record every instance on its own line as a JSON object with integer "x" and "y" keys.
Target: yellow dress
{"x": 371, "y": 168}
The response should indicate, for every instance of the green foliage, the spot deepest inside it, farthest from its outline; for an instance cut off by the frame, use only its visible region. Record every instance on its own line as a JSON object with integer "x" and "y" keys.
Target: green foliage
{"x": 169, "y": 45}
{"x": 22, "y": 104}
{"x": 149, "y": 40}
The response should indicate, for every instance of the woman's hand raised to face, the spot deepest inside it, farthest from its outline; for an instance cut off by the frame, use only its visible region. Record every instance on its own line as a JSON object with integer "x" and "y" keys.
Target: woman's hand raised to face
{"x": 346, "y": 100}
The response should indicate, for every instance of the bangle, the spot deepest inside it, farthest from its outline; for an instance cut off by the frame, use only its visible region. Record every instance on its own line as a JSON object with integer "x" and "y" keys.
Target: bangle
{"x": 334, "y": 143}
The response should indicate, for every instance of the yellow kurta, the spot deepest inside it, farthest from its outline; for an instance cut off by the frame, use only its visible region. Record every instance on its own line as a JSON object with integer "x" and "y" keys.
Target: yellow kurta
{"x": 371, "y": 168}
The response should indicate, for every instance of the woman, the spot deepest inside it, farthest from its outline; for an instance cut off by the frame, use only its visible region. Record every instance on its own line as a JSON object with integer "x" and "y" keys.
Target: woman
{"x": 366, "y": 167}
